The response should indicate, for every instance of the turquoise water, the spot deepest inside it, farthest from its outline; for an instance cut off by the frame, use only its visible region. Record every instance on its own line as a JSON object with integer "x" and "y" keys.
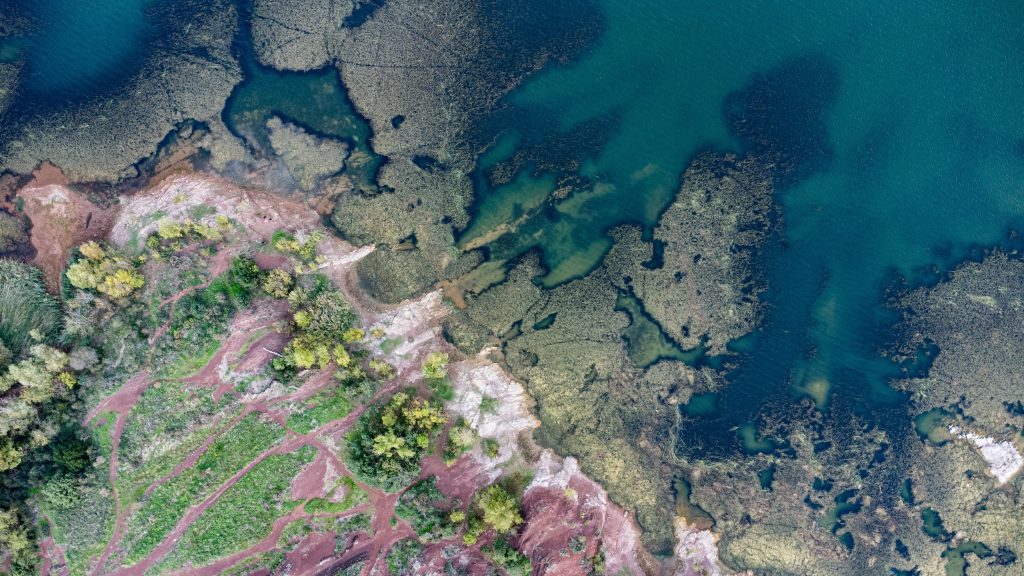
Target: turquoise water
{"x": 907, "y": 126}
{"x": 74, "y": 46}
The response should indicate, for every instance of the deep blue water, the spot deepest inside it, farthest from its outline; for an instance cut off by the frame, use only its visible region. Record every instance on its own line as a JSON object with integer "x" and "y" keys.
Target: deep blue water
{"x": 76, "y": 48}
{"x": 900, "y": 126}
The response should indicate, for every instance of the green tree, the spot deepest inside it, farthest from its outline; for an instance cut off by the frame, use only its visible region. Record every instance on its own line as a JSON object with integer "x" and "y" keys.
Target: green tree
{"x": 15, "y": 542}
{"x": 500, "y": 509}
{"x": 277, "y": 283}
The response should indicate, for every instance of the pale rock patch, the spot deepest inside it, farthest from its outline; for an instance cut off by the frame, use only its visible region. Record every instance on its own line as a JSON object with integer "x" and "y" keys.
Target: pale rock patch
{"x": 1002, "y": 457}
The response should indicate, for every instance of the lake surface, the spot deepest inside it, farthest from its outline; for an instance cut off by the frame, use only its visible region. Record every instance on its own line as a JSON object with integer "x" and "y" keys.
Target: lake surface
{"x": 75, "y": 48}
{"x": 907, "y": 126}
{"x": 905, "y": 122}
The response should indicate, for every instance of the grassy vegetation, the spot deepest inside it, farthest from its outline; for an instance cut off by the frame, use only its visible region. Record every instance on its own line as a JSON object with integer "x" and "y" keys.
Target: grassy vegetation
{"x": 25, "y": 305}
{"x": 201, "y": 318}
{"x": 346, "y": 528}
{"x": 268, "y": 561}
{"x": 388, "y": 345}
{"x": 353, "y": 495}
{"x": 246, "y": 512}
{"x": 326, "y": 406}
{"x": 162, "y": 509}
{"x": 402, "y": 555}
{"x": 426, "y": 510}
{"x": 92, "y": 519}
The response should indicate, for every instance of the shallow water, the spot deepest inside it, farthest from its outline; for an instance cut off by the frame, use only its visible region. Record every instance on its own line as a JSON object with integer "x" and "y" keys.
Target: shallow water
{"x": 909, "y": 142}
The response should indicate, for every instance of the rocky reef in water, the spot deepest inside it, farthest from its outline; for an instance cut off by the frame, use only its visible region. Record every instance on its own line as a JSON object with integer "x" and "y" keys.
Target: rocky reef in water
{"x": 187, "y": 74}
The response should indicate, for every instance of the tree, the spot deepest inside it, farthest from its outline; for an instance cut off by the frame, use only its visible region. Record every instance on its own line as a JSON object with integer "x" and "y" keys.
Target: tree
{"x": 10, "y": 456}
{"x": 121, "y": 283}
{"x": 14, "y": 539}
{"x": 329, "y": 316}
{"x": 435, "y": 365}
{"x": 82, "y": 358}
{"x": 106, "y": 273}
{"x": 500, "y": 509}
{"x": 246, "y": 272}
{"x": 277, "y": 283}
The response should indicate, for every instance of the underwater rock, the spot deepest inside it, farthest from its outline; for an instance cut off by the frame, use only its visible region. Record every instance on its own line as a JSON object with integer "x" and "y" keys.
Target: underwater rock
{"x": 187, "y": 74}
{"x": 702, "y": 286}
{"x": 308, "y": 157}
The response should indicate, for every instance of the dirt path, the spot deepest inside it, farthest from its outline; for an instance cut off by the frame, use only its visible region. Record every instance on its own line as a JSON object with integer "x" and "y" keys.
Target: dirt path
{"x": 121, "y": 403}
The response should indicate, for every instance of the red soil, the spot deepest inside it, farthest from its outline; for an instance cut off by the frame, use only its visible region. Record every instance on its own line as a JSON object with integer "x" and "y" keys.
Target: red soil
{"x": 61, "y": 219}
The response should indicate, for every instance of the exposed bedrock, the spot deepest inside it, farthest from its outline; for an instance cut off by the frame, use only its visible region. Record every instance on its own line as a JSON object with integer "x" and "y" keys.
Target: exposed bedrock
{"x": 186, "y": 74}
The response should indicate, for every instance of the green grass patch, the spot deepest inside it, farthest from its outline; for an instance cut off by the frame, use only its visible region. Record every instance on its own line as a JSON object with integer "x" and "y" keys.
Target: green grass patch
{"x": 246, "y": 512}
{"x": 200, "y": 211}
{"x": 188, "y": 366}
{"x": 169, "y": 501}
{"x": 133, "y": 483}
{"x": 354, "y": 495}
{"x": 103, "y": 433}
{"x": 488, "y": 405}
{"x": 326, "y": 406}
{"x": 441, "y": 388}
{"x": 390, "y": 344}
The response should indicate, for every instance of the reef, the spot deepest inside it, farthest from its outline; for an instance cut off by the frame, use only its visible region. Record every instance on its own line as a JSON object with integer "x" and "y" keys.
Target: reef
{"x": 187, "y": 74}
{"x": 697, "y": 277}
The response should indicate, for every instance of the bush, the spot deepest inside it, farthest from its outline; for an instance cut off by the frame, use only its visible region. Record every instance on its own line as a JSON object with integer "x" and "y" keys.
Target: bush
{"x": 500, "y": 509}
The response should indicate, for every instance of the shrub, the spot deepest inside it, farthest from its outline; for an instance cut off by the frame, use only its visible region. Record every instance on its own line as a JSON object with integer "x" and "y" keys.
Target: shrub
{"x": 25, "y": 305}
{"x": 500, "y": 509}
{"x": 426, "y": 510}
{"x": 12, "y": 232}
{"x": 513, "y": 561}
{"x": 435, "y": 365}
